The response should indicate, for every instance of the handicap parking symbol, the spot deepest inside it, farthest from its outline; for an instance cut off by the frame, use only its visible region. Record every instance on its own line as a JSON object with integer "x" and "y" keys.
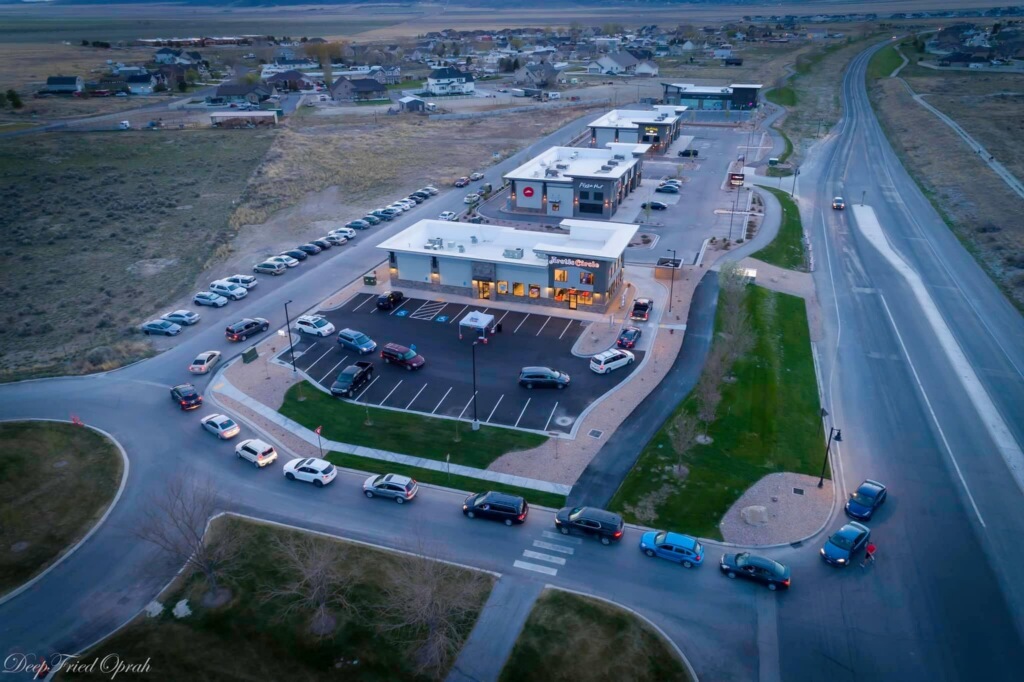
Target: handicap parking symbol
{"x": 441, "y": 318}
{"x": 401, "y": 313}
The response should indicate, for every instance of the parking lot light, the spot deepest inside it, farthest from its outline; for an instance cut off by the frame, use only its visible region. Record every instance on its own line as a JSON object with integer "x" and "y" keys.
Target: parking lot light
{"x": 288, "y": 331}
{"x": 476, "y": 422}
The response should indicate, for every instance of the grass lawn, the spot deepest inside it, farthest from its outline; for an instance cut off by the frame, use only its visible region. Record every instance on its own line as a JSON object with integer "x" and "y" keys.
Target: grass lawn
{"x": 253, "y": 639}
{"x": 776, "y": 172}
{"x": 373, "y": 103}
{"x": 768, "y": 422}
{"x": 784, "y": 96}
{"x": 403, "y": 432}
{"x": 406, "y": 85}
{"x": 40, "y": 463}
{"x": 788, "y": 151}
{"x": 883, "y": 62}
{"x": 787, "y": 249}
{"x": 606, "y": 643}
{"x": 470, "y": 485}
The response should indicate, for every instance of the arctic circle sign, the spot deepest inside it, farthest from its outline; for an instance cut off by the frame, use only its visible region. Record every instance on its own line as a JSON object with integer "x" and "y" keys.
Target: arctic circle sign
{"x": 527, "y": 191}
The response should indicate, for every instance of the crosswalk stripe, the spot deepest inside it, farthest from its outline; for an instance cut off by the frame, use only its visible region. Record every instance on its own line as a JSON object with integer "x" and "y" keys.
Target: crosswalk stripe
{"x": 547, "y": 570}
{"x": 561, "y": 549}
{"x": 530, "y": 554}
{"x": 562, "y": 538}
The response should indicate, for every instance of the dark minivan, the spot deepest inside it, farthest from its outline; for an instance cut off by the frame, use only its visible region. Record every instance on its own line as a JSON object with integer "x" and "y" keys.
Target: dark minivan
{"x": 604, "y": 525}
{"x": 509, "y": 509}
{"x": 543, "y": 377}
{"x": 389, "y": 299}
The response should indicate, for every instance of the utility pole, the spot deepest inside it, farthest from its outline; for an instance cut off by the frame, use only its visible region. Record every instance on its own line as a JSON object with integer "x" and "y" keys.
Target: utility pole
{"x": 288, "y": 331}
{"x": 796, "y": 172}
{"x": 672, "y": 286}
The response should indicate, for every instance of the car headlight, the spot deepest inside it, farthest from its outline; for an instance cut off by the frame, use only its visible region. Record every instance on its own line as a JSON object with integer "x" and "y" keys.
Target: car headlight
{"x": 643, "y": 545}
{"x": 840, "y": 561}
{"x": 822, "y": 551}
{"x": 465, "y": 507}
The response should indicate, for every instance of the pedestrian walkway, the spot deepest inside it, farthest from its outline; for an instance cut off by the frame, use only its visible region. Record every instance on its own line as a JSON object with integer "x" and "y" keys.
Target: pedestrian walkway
{"x": 489, "y": 645}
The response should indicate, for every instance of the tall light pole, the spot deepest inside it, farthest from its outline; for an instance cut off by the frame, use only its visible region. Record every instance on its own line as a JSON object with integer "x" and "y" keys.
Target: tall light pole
{"x": 834, "y": 434}
{"x": 288, "y": 331}
{"x": 796, "y": 172}
{"x": 672, "y": 286}
{"x": 732, "y": 214}
{"x": 476, "y": 422}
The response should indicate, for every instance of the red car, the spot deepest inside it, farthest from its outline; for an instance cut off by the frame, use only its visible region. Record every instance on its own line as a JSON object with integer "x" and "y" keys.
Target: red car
{"x": 628, "y": 337}
{"x": 462, "y": 182}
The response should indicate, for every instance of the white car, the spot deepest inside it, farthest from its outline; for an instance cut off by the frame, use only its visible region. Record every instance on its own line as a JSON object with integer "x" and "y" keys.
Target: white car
{"x": 256, "y": 451}
{"x": 336, "y": 239}
{"x": 476, "y": 176}
{"x": 401, "y": 208}
{"x": 247, "y": 281}
{"x": 317, "y": 325}
{"x": 408, "y": 203}
{"x": 430, "y": 189}
{"x": 235, "y": 292}
{"x": 184, "y": 318}
{"x": 204, "y": 362}
{"x": 346, "y": 232}
{"x": 448, "y": 215}
{"x": 605, "y": 362}
{"x": 210, "y": 298}
{"x": 471, "y": 198}
{"x": 319, "y": 472}
{"x": 221, "y": 426}
{"x": 284, "y": 260}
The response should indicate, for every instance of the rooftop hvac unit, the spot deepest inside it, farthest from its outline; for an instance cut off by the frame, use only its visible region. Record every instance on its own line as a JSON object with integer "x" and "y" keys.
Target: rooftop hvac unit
{"x": 472, "y": 239}
{"x": 462, "y": 249}
{"x": 574, "y": 156}
{"x": 613, "y": 163}
{"x": 451, "y": 244}
{"x": 725, "y": 90}
{"x": 551, "y": 173}
{"x": 513, "y": 253}
{"x": 620, "y": 157}
{"x": 562, "y": 166}
{"x": 606, "y": 168}
{"x": 428, "y": 246}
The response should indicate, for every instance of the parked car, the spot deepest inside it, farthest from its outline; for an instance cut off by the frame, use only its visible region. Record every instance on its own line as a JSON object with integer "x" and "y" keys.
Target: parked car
{"x": 430, "y": 189}
{"x": 471, "y": 198}
{"x": 228, "y": 290}
{"x": 844, "y": 543}
{"x": 313, "y": 470}
{"x": 324, "y": 243}
{"x": 296, "y": 254}
{"x": 393, "y": 353}
{"x": 221, "y": 426}
{"x": 421, "y": 194}
{"x": 397, "y": 209}
{"x": 605, "y": 362}
{"x": 676, "y": 547}
{"x": 183, "y": 318}
{"x": 509, "y": 509}
{"x": 383, "y": 214}
{"x": 243, "y": 329}
{"x": 247, "y": 281}
{"x": 866, "y": 501}
{"x": 628, "y": 337}
{"x": 604, "y": 525}
{"x": 164, "y": 327}
{"x": 204, "y": 362}
{"x": 448, "y": 215}
{"x": 415, "y": 199}
{"x": 186, "y": 396}
{"x": 399, "y": 488}
{"x": 757, "y": 568}
{"x": 667, "y": 189}
{"x": 476, "y": 176}
{"x": 462, "y": 182}
{"x": 371, "y": 219}
{"x": 543, "y": 377}
{"x": 358, "y": 224}
{"x": 655, "y": 205}
{"x": 284, "y": 260}
{"x": 346, "y": 232}
{"x": 256, "y": 451}
{"x": 317, "y": 325}
{"x": 409, "y": 204}
{"x": 351, "y": 379}
{"x": 336, "y": 239}
{"x": 642, "y": 308}
{"x": 309, "y": 249}
{"x": 838, "y": 203}
{"x": 689, "y": 153}
{"x": 357, "y": 341}
{"x": 270, "y": 267}
{"x": 209, "y": 298}
{"x": 389, "y": 299}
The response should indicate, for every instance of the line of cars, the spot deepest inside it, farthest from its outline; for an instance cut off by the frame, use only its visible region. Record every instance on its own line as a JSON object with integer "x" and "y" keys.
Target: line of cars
{"x": 669, "y": 186}
{"x": 392, "y": 210}
{"x": 279, "y": 264}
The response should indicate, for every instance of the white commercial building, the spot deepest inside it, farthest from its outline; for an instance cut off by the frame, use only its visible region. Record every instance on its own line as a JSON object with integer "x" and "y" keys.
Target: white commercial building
{"x": 657, "y": 127}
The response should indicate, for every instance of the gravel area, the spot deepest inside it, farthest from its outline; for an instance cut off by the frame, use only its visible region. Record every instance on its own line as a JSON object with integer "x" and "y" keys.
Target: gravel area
{"x": 788, "y": 515}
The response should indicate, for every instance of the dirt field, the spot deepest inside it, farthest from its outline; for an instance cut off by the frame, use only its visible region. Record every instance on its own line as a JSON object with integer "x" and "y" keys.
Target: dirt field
{"x": 762, "y": 63}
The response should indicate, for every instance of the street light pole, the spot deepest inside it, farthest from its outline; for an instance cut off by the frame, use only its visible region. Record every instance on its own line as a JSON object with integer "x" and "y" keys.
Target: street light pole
{"x": 288, "y": 331}
{"x": 836, "y": 435}
{"x": 732, "y": 214}
{"x": 672, "y": 286}
{"x": 796, "y": 172}
{"x": 476, "y": 422}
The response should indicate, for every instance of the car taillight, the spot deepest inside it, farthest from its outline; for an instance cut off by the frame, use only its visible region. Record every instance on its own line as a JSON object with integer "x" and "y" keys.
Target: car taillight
{"x": 618, "y": 533}
{"x": 786, "y": 582}
{"x": 521, "y": 516}
{"x": 184, "y": 403}
{"x": 408, "y": 493}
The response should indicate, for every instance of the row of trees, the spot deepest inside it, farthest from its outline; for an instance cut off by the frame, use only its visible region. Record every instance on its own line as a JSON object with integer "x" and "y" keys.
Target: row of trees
{"x": 12, "y": 98}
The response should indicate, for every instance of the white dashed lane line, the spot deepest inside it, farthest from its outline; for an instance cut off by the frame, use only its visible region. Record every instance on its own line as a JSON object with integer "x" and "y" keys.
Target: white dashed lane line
{"x": 331, "y": 370}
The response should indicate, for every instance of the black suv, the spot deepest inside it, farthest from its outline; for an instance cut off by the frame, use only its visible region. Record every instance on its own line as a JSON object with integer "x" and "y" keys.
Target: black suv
{"x": 389, "y": 299}
{"x": 756, "y": 568}
{"x": 605, "y": 525}
{"x": 497, "y": 506}
{"x": 689, "y": 153}
{"x": 400, "y": 355}
{"x": 243, "y": 329}
{"x": 542, "y": 377}
{"x": 186, "y": 396}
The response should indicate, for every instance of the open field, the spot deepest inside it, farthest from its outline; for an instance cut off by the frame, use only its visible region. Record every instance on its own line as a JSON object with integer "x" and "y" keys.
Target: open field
{"x": 980, "y": 209}
{"x": 762, "y": 63}
{"x": 40, "y": 462}
{"x": 255, "y": 638}
{"x": 103, "y": 241}
{"x": 606, "y": 643}
{"x": 767, "y": 422}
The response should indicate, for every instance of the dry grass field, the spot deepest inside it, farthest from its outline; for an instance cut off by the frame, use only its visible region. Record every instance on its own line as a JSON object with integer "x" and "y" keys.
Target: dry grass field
{"x": 762, "y": 63}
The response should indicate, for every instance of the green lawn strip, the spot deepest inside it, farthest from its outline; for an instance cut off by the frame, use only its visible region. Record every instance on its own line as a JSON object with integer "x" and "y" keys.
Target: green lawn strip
{"x": 787, "y": 249}
{"x": 251, "y": 638}
{"x": 56, "y": 482}
{"x": 403, "y": 432}
{"x": 784, "y": 96}
{"x": 607, "y": 643}
{"x": 768, "y": 421}
{"x": 788, "y": 151}
{"x": 405, "y": 85}
{"x": 883, "y": 63}
{"x": 776, "y": 172}
{"x": 441, "y": 478}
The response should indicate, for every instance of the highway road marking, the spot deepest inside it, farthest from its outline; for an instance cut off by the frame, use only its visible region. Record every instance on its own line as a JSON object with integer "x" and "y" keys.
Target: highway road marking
{"x": 392, "y": 391}
{"x": 562, "y": 538}
{"x": 548, "y": 422}
{"x": 521, "y": 323}
{"x": 524, "y": 411}
{"x": 561, "y": 549}
{"x": 368, "y": 299}
{"x": 441, "y": 400}
{"x": 457, "y": 315}
{"x": 542, "y": 326}
{"x": 471, "y": 399}
{"x": 495, "y": 408}
{"x": 331, "y": 370}
{"x": 395, "y": 310}
{"x": 565, "y": 330}
{"x": 416, "y": 396}
{"x": 363, "y": 392}
{"x": 530, "y": 554}
{"x": 310, "y": 366}
{"x": 547, "y": 570}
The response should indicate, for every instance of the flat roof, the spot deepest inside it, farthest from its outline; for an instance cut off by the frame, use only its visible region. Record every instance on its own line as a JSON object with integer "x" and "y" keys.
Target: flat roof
{"x": 586, "y": 239}
{"x": 712, "y": 89}
{"x": 633, "y": 118}
{"x": 562, "y": 164}
{"x": 241, "y": 113}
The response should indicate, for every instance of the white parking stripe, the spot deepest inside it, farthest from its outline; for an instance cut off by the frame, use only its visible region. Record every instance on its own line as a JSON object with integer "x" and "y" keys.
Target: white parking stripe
{"x": 503, "y": 316}
{"x": 524, "y": 411}
{"x": 441, "y": 400}
{"x": 395, "y": 309}
{"x": 530, "y": 554}
{"x": 331, "y": 370}
{"x": 495, "y": 407}
{"x": 562, "y": 538}
{"x": 368, "y": 299}
{"x": 546, "y": 425}
{"x": 457, "y": 315}
{"x": 415, "y": 396}
{"x": 521, "y": 323}
{"x": 363, "y": 392}
{"x": 547, "y": 570}
{"x": 472, "y": 398}
{"x": 565, "y": 330}
{"x": 390, "y": 392}
{"x": 542, "y": 327}
{"x": 310, "y": 366}
{"x": 561, "y": 549}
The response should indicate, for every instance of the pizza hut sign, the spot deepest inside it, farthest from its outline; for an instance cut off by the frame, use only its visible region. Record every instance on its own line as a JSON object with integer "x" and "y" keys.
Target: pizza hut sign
{"x": 575, "y": 262}
{"x": 590, "y": 185}
{"x": 527, "y": 191}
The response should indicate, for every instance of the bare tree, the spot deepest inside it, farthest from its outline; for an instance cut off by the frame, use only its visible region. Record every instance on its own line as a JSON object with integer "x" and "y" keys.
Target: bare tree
{"x": 176, "y": 523}
{"x": 322, "y": 574}
{"x": 736, "y": 335}
{"x": 432, "y": 601}
{"x": 682, "y": 434}
{"x": 708, "y": 392}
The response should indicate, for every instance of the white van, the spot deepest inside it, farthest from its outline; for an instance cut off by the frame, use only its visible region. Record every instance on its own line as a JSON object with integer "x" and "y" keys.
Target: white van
{"x": 229, "y": 290}
{"x": 554, "y": 95}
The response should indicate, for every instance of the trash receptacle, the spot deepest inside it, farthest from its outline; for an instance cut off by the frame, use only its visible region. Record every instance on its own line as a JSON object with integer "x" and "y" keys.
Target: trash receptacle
{"x": 370, "y": 280}
{"x": 249, "y": 354}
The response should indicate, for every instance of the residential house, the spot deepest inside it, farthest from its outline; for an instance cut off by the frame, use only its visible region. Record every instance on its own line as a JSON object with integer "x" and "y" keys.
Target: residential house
{"x": 127, "y": 71}
{"x": 236, "y": 93}
{"x": 647, "y": 68}
{"x": 688, "y": 46}
{"x": 392, "y": 74}
{"x": 641, "y": 53}
{"x": 141, "y": 84}
{"x": 614, "y": 64}
{"x": 291, "y": 80}
{"x": 297, "y": 64}
{"x": 171, "y": 74}
{"x": 607, "y": 43}
{"x": 166, "y": 55}
{"x": 411, "y": 104}
{"x": 355, "y": 89}
{"x": 722, "y": 53}
{"x": 65, "y": 84}
{"x": 537, "y": 75}
{"x": 113, "y": 83}
{"x": 450, "y": 81}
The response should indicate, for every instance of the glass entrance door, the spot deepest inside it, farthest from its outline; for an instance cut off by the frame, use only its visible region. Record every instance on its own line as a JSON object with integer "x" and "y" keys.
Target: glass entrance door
{"x": 572, "y": 299}
{"x": 485, "y": 290}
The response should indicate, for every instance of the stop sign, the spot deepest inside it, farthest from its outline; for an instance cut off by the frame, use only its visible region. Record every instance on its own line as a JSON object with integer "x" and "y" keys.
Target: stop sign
{"x": 527, "y": 191}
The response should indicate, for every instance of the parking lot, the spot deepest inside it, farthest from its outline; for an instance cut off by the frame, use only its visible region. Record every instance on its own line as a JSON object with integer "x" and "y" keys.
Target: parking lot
{"x": 444, "y": 386}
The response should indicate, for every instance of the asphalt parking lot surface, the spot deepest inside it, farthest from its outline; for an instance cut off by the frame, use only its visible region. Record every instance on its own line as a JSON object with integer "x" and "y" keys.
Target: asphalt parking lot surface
{"x": 444, "y": 385}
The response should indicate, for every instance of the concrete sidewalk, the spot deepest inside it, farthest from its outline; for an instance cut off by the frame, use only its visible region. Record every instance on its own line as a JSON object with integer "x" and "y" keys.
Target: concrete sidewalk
{"x": 485, "y": 653}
